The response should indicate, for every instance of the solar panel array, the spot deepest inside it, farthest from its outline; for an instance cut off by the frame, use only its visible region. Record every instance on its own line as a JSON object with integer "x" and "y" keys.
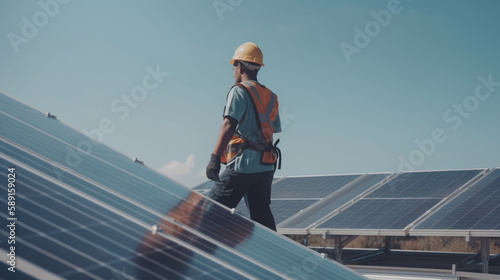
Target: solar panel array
{"x": 447, "y": 202}
{"x": 85, "y": 211}
{"x": 312, "y": 216}
{"x": 395, "y": 205}
{"x": 291, "y": 195}
{"x": 477, "y": 209}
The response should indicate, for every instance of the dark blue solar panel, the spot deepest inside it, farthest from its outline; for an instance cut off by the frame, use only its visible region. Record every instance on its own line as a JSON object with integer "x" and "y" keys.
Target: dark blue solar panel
{"x": 292, "y": 194}
{"x": 309, "y": 218}
{"x": 282, "y": 209}
{"x": 74, "y": 237}
{"x": 477, "y": 208}
{"x": 105, "y": 166}
{"x": 432, "y": 184}
{"x": 310, "y": 187}
{"x": 400, "y": 201}
{"x": 380, "y": 214}
{"x": 88, "y": 212}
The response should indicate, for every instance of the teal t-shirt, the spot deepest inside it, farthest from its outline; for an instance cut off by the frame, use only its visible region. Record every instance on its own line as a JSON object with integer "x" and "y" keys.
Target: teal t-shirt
{"x": 240, "y": 106}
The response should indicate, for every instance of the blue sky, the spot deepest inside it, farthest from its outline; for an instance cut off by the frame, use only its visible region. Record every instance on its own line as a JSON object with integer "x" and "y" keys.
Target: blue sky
{"x": 363, "y": 86}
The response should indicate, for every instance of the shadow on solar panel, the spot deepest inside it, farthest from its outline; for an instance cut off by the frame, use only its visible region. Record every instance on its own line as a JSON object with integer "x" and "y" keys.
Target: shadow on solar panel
{"x": 106, "y": 216}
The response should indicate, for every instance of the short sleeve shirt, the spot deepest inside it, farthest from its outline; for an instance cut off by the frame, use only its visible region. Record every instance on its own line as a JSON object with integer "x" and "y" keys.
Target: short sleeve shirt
{"x": 240, "y": 106}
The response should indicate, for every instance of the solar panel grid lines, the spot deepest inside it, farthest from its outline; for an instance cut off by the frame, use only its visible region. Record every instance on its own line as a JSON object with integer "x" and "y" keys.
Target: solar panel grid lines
{"x": 394, "y": 190}
{"x": 166, "y": 218}
{"x": 65, "y": 167}
{"x": 301, "y": 215}
{"x": 17, "y": 109}
{"x": 81, "y": 137}
{"x": 314, "y": 213}
{"x": 422, "y": 183}
{"x": 102, "y": 214}
{"x": 128, "y": 219}
{"x": 379, "y": 210}
{"x": 77, "y": 270}
{"x": 288, "y": 193}
{"x": 372, "y": 214}
{"x": 54, "y": 241}
{"x": 54, "y": 168}
{"x": 65, "y": 186}
{"x": 446, "y": 199}
{"x": 39, "y": 271}
{"x": 42, "y": 219}
{"x": 281, "y": 208}
{"x": 61, "y": 262}
{"x": 473, "y": 212}
{"x": 354, "y": 200}
{"x": 310, "y": 186}
{"x": 365, "y": 188}
{"x": 85, "y": 179}
{"x": 54, "y": 238}
{"x": 294, "y": 194}
{"x": 89, "y": 229}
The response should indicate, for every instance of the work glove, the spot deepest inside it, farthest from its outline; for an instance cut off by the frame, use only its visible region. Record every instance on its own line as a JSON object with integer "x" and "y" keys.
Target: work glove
{"x": 213, "y": 168}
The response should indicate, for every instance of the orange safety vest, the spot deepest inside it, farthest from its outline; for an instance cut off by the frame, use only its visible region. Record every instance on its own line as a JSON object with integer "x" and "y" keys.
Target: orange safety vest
{"x": 266, "y": 105}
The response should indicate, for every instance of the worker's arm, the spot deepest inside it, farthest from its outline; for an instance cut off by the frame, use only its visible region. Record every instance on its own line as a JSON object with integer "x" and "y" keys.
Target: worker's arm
{"x": 226, "y": 132}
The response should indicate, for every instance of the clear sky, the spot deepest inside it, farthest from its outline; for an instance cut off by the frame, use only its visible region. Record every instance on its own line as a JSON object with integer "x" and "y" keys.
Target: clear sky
{"x": 363, "y": 86}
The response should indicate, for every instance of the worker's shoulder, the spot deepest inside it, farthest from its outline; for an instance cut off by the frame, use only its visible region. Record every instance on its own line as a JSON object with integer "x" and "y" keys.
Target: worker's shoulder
{"x": 243, "y": 87}
{"x": 238, "y": 95}
{"x": 239, "y": 91}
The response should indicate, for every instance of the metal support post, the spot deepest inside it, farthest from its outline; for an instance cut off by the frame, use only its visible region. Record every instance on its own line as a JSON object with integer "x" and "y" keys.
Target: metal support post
{"x": 485, "y": 253}
{"x": 388, "y": 245}
{"x": 338, "y": 249}
{"x": 305, "y": 240}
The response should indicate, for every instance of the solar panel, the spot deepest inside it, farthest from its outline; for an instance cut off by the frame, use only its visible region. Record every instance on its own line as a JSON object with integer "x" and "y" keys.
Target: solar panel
{"x": 476, "y": 210}
{"x": 380, "y": 214}
{"x": 398, "y": 203}
{"x": 290, "y": 195}
{"x": 311, "y": 186}
{"x": 86, "y": 211}
{"x": 434, "y": 184}
{"x": 282, "y": 209}
{"x": 311, "y": 216}
{"x": 74, "y": 237}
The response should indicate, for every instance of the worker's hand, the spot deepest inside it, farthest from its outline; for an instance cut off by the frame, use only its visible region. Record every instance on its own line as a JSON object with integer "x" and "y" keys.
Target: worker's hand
{"x": 213, "y": 168}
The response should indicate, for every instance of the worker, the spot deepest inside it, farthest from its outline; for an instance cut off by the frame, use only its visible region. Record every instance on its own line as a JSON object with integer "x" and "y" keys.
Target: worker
{"x": 245, "y": 140}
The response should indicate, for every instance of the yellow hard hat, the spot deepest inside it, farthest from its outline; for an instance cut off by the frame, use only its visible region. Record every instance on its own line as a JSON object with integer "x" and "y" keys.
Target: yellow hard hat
{"x": 248, "y": 52}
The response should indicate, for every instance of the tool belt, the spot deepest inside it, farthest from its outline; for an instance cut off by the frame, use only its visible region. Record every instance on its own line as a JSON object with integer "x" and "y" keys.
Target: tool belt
{"x": 271, "y": 154}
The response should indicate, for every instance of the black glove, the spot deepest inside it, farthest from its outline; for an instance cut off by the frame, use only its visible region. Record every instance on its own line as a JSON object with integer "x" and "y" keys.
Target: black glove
{"x": 213, "y": 168}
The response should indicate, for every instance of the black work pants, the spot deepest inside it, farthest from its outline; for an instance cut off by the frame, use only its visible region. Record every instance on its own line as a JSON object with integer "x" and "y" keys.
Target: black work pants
{"x": 257, "y": 186}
